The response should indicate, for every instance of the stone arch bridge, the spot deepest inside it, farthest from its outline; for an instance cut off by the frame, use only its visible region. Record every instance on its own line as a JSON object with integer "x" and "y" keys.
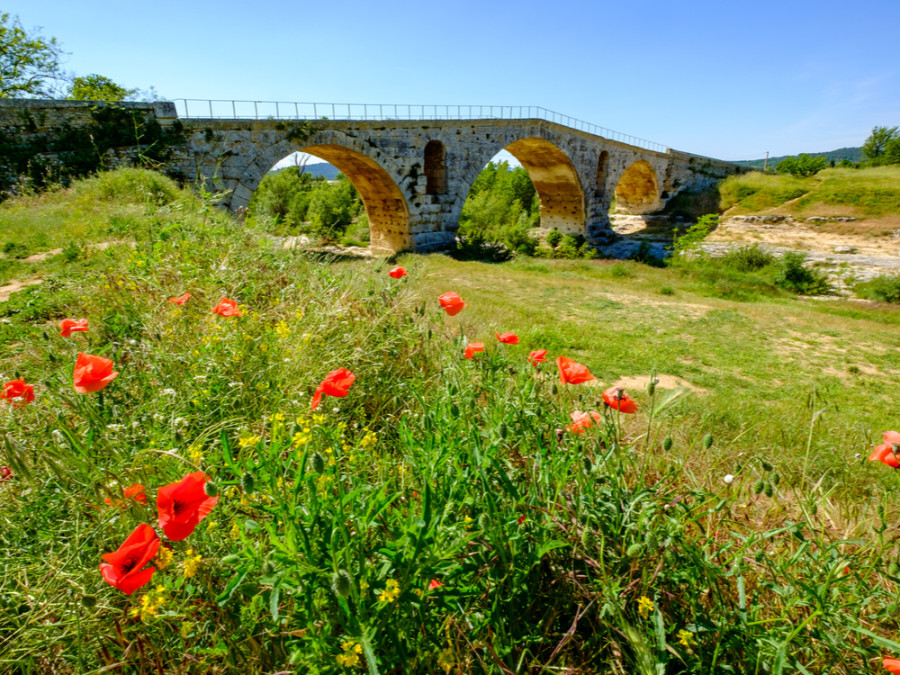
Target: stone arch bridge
{"x": 414, "y": 175}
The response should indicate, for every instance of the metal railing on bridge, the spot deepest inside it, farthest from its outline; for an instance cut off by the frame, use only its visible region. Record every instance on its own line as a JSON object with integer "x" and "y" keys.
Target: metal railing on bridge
{"x": 190, "y": 108}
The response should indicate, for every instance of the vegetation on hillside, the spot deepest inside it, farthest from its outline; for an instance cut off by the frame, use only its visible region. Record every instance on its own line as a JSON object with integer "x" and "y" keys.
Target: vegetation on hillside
{"x": 444, "y": 514}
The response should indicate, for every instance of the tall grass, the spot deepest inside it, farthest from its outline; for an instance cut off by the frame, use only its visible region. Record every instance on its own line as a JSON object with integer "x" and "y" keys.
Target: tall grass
{"x": 440, "y": 518}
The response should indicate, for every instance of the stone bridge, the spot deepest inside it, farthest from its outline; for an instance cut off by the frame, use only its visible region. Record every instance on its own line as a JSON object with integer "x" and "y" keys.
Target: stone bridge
{"x": 414, "y": 175}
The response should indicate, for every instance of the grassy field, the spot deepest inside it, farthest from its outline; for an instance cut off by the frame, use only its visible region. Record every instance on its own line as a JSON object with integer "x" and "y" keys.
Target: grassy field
{"x": 862, "y": 193}
{"x": 440, "y": 517}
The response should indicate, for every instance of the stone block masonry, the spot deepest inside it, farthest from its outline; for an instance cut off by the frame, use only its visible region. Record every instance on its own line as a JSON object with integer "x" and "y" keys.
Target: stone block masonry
{"x": 414, "y": 176}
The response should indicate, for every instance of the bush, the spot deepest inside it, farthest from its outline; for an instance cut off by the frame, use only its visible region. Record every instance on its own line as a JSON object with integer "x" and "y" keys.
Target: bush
{"x": 332, "y": 208}
{"x": 554, "y": 236}
{"x": 802, "y": 166}
{"x": 884, "y": 288}
{"x": 794, "y": 276}
{"x": 689, "y": 242}
{"x": 748, "y": 258}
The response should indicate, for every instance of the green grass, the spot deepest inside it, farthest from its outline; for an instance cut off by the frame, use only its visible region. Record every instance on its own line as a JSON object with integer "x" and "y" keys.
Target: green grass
{"x": 615, "y": 550}
{"x": 869, "y": 192}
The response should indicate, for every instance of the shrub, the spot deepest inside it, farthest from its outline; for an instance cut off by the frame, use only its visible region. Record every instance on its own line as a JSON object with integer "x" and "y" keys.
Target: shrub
{"x": 748, "y": 258}
{"x": 796, "y": 277}
{"x": 689, "y": 242}
{"x": 883, "y": 288}
{"x": 554, "y": 236}
{"x": 802, "y": 166}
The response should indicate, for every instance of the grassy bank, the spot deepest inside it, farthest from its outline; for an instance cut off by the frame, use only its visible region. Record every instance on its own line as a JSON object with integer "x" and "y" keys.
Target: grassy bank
{"x": 439, "y": 517}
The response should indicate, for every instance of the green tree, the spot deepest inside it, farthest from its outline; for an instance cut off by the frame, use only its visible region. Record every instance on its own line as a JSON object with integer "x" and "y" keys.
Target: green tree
{"x": 28, "y": 61}
{"x": 333, "y": 207}
{"x": 877, "y": 142}
{"x": 802, "y": 166}
{"x": 892, "y": 151}
{"x": 98, "y": 88}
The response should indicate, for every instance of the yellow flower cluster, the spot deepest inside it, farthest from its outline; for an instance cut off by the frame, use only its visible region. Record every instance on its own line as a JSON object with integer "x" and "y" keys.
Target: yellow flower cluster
{"x": 190, "y": 563}
{"x": 350, "y": 654}
{"x": 282, "y": 329}
{"x": 150, "y": 604}
{"x": 245, "y": 441}
{"x": 195, "y": 454}
{"x": 686, "y": 638}
{"x": 446, "y": 660}
{"x": 645, "y": 606}
{"x": 163, "y": 557}
{"x": 370, "y": 439}
{"x": 390, "y": 593}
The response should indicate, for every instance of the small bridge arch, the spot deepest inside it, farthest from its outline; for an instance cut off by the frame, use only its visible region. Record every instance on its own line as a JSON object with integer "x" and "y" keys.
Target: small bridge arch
{"x": 638, "y": 189}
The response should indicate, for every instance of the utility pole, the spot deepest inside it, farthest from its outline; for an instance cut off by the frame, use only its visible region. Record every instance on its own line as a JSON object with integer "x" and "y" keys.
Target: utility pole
{"x": 766, "y": 167}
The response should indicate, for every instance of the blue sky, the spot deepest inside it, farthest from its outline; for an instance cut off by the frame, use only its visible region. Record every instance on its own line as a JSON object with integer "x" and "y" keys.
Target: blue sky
{"x": 725, "y": 79}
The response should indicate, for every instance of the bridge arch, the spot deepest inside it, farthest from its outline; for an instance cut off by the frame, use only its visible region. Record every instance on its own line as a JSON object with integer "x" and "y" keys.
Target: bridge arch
{"x": 637, "y": 191}
{"x": 386, "y": 207}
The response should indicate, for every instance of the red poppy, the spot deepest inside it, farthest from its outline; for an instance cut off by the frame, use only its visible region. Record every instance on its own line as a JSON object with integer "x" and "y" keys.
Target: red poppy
{"x": 69, "y": 326}
{"x": 572, "y": 372}
{"x": 891, "y": 665}
{"x": 886, "y": 452}
{"x": 582, "y": 421}
{"x": 336, "y": 383}
{"x": 92, "y": 373}
{"x": 397, "y": 273}
{"x": 521, "y": 519}
{"x": 5, "y": 473}
{"x": 227, "y": 307}
{"x": 508, "y": 338}
{"x": 473, "y": 347}
{"x": 452, "y": 303}
{"x": 617, "y": 399}
{"x": 123, "y": 568}
{"x": 434, "y": 584}
{"x": 183, "y": 505}
{"x": 135, "y": 492}
{"x": 537, "y": 357}
{"x": 18, "y": 392}
{"x": 181, "y": 299}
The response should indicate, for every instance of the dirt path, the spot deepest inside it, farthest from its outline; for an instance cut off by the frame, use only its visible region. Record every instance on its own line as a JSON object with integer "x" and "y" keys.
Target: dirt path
{"x": 15, "y": 285}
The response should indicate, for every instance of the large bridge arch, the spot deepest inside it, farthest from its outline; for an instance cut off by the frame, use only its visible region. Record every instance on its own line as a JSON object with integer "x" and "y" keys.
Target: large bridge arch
{"x": 638, "y": 189}
{"x": 386, "y": 207}
{"x": 555, "y": 179}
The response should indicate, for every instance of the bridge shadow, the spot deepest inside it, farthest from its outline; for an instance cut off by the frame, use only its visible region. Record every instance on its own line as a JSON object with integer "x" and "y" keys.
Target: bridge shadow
{"x": 647, "y": 238}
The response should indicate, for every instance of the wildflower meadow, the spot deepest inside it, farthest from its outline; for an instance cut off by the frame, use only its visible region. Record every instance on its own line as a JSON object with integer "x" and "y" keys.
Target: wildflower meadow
{"x": 220, "y": 455}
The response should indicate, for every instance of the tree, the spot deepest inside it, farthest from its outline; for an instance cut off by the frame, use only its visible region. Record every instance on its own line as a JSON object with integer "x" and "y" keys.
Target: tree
{"x": 98, "y": 88}
{"x": 875, "y": 144}
{"x": 28, "y": 62}
{"x": 802, "y": 166}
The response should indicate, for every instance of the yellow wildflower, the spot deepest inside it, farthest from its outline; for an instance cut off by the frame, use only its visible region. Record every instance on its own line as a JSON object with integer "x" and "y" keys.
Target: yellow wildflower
{"x": 186, "y": 628}
{"x": 645, "y": 606}
{"x": 390, "y": 593}
{"x": 349, "y": 657}
{"x": 195, "y": 453}
{"x": 686, "y": 638}
{"x": 446, "y": 660}
{"x": 235, "y": 531}
{"x": 163, "y": 557}
{"x": 150, "y": 604}
{"x": 370, "y": 439}
{"x": 282, "y": 329}
{"x": 245, "y": 441}
{"x": 317, "y": 418}
{"x": 190, "y": 563}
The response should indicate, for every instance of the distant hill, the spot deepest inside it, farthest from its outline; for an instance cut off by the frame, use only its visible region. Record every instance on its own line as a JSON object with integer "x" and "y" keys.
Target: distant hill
{"x": 853, "y": 154}
{"x": 322, "y": 169}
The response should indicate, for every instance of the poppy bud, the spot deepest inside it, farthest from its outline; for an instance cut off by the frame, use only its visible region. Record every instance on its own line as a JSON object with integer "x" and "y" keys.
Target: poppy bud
{"x": 651, "y": 385}
{"x": 667, "y": 443}
{"x": 317, "y": 463}
{"x": 758, "y": 487}
{"x": 651, "y": 541}
{"x": 231, "y": 559}
{"x": 483, "y": 521}
{"x": 776, "y": 479}
{"x": 588, "y": 538}
{"x": 89, "y": 601}
{"x": 769, "y": 490}
{"x": 893, "y": 568}
{"x": 210, "y": 489}
{"x": 248, "y": 483}
{"x": 586, "y": 462}
{"x": 341, "y": 583}
{"x": 765, "y": 465}
{"x": 707, "y": 441}
{"x": 634, "y": 550}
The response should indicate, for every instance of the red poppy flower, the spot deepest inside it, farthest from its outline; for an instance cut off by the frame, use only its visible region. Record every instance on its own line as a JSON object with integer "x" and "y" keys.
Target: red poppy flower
{"x": 572, "y": 372}
{"x": 135, "y": 492}
{"x": 18, "y": 392}
{"x": 336, "y": 383}
{"x": 92, "y": 373}
{"x": 183, "y": 505}
{"x": 617, "y": 399}
{"x": 69, "y": 326}
{"x": 452, "y": 303}
{"x": 227, "y": 307}
{"x": 891, "y": 665}
{"x": 397, "y": 273}
{"x": 537, "y": 357}
{"x": 885, "y": 452}
{"x": 508, "y": 338}
{"x": 434, "y": 583}
{"x": 123, "y": 568}
{"x": 473, "y": 347}
{"x": 582, "y": 421}
{"x": 521, "y": 519}
{"x": 5, "y": 473}
{"x": 181, "y": 299}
